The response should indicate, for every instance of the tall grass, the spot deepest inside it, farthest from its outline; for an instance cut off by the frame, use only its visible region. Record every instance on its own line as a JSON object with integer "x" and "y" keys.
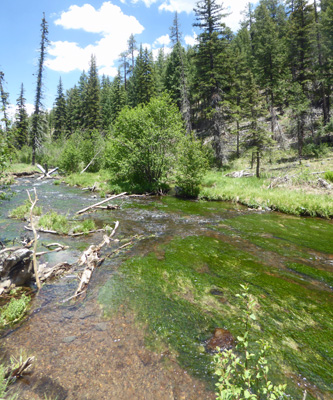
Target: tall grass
{"x": 254, "y": 193}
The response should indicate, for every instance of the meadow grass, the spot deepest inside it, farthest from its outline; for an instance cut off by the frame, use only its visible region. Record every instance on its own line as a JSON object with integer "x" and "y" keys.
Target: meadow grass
{"x": 14, "y": 311}
{"x": 254, "y": 193}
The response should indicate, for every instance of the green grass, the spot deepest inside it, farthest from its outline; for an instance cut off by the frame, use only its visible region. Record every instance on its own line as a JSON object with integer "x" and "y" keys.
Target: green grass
{"x": 60, "y": 223}
{"x": 23, "y": 211}
{"x": 253, "y": 192}
{"x": 54, "y": 222}
{"x": 20, "y": 167}
{"x": 88, "y": 179}
{"x": 14, "y": 311}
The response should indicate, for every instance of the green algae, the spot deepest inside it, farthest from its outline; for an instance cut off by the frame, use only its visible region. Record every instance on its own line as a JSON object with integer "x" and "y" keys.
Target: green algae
{"x": 283, "y": 233}
{"x": 170, "y": 291}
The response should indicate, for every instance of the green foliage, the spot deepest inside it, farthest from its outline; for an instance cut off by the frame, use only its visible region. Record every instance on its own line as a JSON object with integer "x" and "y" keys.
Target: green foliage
{"x": 80, "y": 149}
{"x": 60, "y": 223}
{"x": 23, "y": 211}
{"x": 14, "y": 311}
{"x": 84, "y": 226}
{"x": 244, "y": 375}
{"x": 312, "y": 149}
{"x": 329, "y": 176}
{"x": 55, "y": 222}
{"x": 191, "y": 165}
{"x": 4, "y": 155}
{"x": 143, "y": 145}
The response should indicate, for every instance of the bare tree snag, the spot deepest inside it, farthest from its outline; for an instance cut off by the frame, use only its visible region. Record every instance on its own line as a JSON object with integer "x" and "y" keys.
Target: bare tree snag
{"x": 101, "y": 202}
{"x": 34, "y": 257}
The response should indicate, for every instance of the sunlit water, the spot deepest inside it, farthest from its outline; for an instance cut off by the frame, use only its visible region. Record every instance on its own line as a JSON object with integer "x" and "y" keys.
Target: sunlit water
{"x": 140, "y": 331}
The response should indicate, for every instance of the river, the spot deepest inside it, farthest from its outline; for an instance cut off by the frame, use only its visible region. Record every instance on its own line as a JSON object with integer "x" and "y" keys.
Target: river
{"x": 141, "y": 330}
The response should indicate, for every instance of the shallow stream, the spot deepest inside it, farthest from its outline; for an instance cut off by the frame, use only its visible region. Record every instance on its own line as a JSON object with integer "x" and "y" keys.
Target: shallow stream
{"x": 141, "y": 330}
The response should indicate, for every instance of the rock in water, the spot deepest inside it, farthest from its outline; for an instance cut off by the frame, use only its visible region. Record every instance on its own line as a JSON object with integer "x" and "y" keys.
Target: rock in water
{"x": 222, "y": 338}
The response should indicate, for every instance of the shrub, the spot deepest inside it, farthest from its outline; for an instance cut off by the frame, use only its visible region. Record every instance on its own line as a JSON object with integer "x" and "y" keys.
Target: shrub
{"x": 244, "y": 375}
{"x": 142, "y": 149}
{"x": 192, "y": 164}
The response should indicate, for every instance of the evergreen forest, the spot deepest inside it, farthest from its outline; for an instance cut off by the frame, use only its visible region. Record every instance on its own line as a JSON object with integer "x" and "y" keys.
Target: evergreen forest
{"x": 238, "y": 94}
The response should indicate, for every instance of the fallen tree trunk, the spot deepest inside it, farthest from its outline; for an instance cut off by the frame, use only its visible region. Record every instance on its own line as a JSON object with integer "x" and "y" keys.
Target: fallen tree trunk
{"x": 91, "y": 259}
{"x": 46, "y": 174}
{"x": 100, "y": 203}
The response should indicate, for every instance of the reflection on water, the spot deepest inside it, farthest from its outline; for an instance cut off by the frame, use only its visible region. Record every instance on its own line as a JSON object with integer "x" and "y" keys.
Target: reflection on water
{"x": 139, "y": 332}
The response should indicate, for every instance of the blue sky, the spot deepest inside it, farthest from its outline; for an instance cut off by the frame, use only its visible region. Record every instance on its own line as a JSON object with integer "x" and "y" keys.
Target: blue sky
{"x": 79, "y": 28}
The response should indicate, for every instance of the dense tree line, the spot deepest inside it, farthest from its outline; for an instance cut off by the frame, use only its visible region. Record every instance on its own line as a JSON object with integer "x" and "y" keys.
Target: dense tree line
{"x": 229, "y": 87}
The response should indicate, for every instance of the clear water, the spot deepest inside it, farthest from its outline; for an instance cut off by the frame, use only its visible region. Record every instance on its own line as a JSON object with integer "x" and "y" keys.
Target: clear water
{"x": 140, "y": 331}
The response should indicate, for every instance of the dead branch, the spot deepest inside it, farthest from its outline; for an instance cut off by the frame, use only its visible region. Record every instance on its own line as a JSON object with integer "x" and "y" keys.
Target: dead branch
{"x": 101, "y": 202}
{"x": 12, "y": 374}
{"x": 91, "y": 258}
{"x": 42, "y": 230}
{"x": 46, "y": 174}
{"x": 90, "y": 162}
{"x": 34, "y": 258}
{"x": 52, "y": 272}
{"x": 52, "y": 251}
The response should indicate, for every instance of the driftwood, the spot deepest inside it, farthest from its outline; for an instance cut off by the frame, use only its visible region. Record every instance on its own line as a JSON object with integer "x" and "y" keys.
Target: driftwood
{"x": 34, "y": 258}
{"x": 46, "y": 174}
{"x": 324, "y": 184}
{"x": 100, "y": 203}
{"x": 91, "y": 259}
{"x": 239, "y": 174}
{"x": 16, "y": 267}
{"x": 13, "y": 373}
{"x": 48, "y": 273}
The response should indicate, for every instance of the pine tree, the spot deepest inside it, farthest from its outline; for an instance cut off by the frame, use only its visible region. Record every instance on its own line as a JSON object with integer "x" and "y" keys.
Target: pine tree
{"x": 132, "y": 47}
{"x": 21, "y": 120}
{"x": 73, "y": 110}
{"x": 59, "y": 112}
{"x": 37, "y": 128}
{"x": 301, "y": 54}
{"x": 143, "y": 82}
{"x": 91, "y": 101}
{"x": 270, "y": 54}
{"x": 211, "y": 68}
{"x": 4, "y": 102}
{"x": 177, "y": 82}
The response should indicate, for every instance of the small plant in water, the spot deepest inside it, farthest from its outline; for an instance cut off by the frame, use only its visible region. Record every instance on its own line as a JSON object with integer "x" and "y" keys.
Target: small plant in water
{"x": 14, "y": 311}
{"x": 244, "y": 374}
{"x": 23, "y": 211}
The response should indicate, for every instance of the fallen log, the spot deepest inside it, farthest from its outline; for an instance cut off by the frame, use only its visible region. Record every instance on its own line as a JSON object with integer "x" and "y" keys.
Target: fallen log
{"x": 46, "y": 174}
{"x": 100, "y": 203}
{"x": 48, "y": 273}
{"x": 91, "y": 258}
{"x": 90, "y": 162}
{"x": 239, "y": 174}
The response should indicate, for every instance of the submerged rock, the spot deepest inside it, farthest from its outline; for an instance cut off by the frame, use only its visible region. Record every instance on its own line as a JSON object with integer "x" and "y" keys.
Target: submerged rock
{"x": 222, "y": 338}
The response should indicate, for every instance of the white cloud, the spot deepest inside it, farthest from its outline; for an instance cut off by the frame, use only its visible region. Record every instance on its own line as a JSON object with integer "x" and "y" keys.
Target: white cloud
{"x": 178, "y": 5}
{"x": 12, "y": 110}
{"x": 231, "y": 6}
{"x": 162, "y": 40}
{"x": 109, "y": 21}
{"x": 148, "y": 3}
{"x": 146, "y": 46}
{"x": 191, "y": 40}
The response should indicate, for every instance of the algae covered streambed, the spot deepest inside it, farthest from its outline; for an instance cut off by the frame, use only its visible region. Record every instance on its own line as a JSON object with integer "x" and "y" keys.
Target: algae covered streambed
{"x": 141, "y": 330}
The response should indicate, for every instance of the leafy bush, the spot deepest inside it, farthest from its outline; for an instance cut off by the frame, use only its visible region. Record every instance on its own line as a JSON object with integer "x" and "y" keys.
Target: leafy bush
{"x": 142, "y": 149}
{"x": 329, "y": 176}
{"x": 315, "y": 150}
{"x": 244, "y": 375}
{"x": 84, "y": 226}
{"x": 192, "y": 164}
{"x": 80, "y": 149}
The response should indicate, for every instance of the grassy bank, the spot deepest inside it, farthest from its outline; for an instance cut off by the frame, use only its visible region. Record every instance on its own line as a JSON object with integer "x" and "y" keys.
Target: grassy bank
{"x": 254, "y": 193}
